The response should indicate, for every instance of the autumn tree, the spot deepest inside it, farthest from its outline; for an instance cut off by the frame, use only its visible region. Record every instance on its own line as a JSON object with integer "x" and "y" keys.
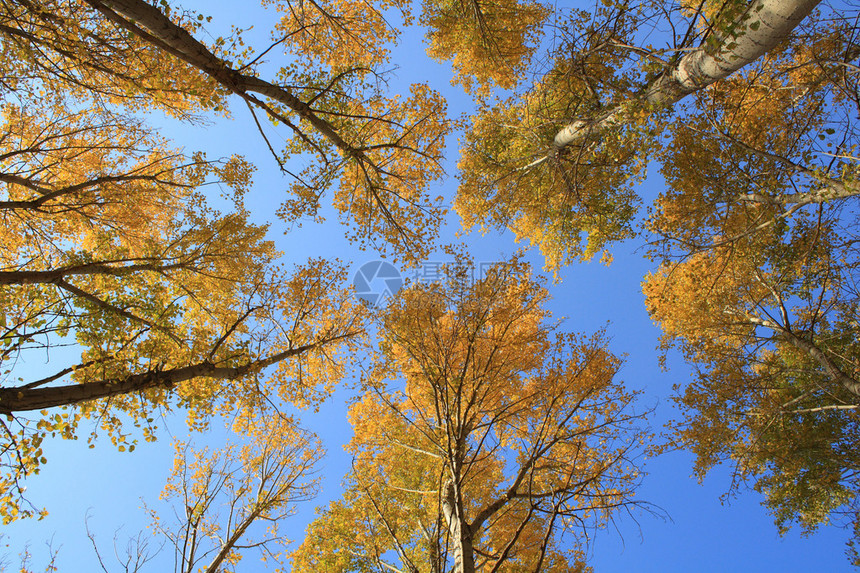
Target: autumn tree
{"x": 772, "y": 331}
{"x": 219, "y": 505}
{"x": 757, "y": 287}
{"x": 764, "y": 146}
{"x": 231, "y": 501}
{"x": 134, "y": 295}
{"x": 558, "y": 160}
{"x": 376, "y": 153}
{"x": 487, "y": 439}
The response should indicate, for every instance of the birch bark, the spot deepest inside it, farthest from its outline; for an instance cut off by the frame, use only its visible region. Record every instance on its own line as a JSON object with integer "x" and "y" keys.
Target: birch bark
{"x": 759, "y": 29}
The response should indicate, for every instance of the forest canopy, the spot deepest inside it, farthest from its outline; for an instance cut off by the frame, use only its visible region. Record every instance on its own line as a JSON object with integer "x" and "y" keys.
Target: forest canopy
{"x": 486, "y": 437}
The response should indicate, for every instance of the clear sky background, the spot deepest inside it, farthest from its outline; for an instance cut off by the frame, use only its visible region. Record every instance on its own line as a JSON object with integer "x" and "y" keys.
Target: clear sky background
{"x": 699, "y": 533}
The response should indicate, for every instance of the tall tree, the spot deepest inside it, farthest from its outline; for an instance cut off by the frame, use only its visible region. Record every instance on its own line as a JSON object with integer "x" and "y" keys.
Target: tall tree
{"x": 772, "y": 331}
{"x": 219, "y": 505}
{"x": 231, "y": 501}
{"x": 136, "y": 295}
{"x": 557, "y": 162}
{"x": 763, "y": 146}
{"x": 486, "y": 438}
{"x": 756, "y": 233}
{"x": 379, "y": 152}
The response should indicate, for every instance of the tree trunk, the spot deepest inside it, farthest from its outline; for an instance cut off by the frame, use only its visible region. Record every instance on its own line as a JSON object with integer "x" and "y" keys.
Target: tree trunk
{"x": 834, "y": 191}
{"x": 459, "y": 531}
{"x": 23, "y": 398}
{"x": 758, "y": 30}
{"x": 831, "y": 367}
{"x": 231, "y": 542}
{"x": 152, "y": 26}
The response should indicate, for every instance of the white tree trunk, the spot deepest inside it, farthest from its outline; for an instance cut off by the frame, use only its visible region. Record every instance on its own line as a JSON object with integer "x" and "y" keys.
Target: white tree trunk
{"x": 759, "y": 29}
{"x": 459, "y": 531}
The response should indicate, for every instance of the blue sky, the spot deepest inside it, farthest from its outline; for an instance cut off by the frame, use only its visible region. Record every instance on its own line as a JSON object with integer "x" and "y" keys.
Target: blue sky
{"x": 701, "y": 532}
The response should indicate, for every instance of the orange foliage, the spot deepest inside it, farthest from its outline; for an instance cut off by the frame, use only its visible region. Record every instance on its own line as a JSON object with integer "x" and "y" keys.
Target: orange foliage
{"x": 488, "y": 42}
{"x": 481, "y": 431}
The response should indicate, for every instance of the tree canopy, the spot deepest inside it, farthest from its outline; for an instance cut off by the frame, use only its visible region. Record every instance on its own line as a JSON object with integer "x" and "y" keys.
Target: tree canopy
{"x": 141, "y": 296}
{"x": 377, "y": 152}
{"x": 486, "y": 439}
{"x": 558, "y": 161}
{"x": 757, "y": 285}
{"x": 485, "y": 436}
